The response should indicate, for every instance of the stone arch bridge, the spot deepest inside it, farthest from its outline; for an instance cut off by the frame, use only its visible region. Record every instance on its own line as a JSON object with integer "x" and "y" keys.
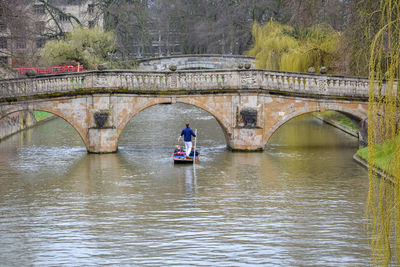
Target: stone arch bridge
{"x": 192, "y": 62}
{"x": 249, "y": 105}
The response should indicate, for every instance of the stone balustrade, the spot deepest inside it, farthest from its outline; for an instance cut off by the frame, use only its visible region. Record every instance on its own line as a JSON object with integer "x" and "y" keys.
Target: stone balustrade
{"x": 195, "y": 80}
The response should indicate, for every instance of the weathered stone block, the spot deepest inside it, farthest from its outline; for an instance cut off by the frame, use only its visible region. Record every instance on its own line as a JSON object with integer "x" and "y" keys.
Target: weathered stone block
{"x": 102, "y": 140}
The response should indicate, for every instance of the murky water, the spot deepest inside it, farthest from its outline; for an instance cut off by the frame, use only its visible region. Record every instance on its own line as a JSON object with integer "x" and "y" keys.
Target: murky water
{"x": 299, "y": 203}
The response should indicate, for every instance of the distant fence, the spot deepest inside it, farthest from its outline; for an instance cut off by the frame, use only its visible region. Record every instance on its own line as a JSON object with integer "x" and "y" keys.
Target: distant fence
{"x": 51, "y": 70}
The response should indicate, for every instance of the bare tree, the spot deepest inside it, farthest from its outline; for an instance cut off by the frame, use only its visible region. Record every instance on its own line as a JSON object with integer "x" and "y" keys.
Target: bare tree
{"x": 17, "y": 31}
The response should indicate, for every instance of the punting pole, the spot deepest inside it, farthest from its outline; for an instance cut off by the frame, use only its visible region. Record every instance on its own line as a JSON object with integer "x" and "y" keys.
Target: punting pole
{"x": 194, "y": 149}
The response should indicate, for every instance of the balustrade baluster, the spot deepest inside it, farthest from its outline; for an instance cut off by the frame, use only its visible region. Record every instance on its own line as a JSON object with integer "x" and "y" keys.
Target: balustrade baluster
{"x": 153, "y": 81}
{"x": 291, "y": 83}
{"x": 53, "y": 85}
{"x": 43, "y": 84}
{"x": 295, "y": 82}
{"x": 12, "y": 88}
{"x": 65, "y": 84}
{"x": 137, "y": 81}
{"x": 184, "y": 81}
{"x": 271, "y": 82}
{"x": 140, "y": 82}
{"x": 34, "y": 86}
{"x": 144, "y": 82}
{"x": 199, "y": 81}
{"x": 196, "y": 80}
{"x": 58, "y": 82}
{"x": 275, "y": 82}
{"x": 3, "y": 92}
{"x": 48, "y": 85}
{"x": 307, "y": 84}
{"x": 128, "y": 81}
{"x": 279, "y": 79}
{"x": 301, "y": 83}
{"x": 134, "y": 81}
{"x": 22, "y": 87}
{"x": 333, "y": 85}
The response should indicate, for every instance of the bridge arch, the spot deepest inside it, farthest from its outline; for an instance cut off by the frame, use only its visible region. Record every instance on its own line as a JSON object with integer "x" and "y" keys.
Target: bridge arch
{"x": 70, "y": 121}
{"x": 157, "y": 101}
{"x": 358, "y": 118}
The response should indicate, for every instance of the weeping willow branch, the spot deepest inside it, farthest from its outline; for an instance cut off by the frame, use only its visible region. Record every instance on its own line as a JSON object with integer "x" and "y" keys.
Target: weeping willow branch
{"x": 280, "y": 47}
{"x": 383, "y": 210}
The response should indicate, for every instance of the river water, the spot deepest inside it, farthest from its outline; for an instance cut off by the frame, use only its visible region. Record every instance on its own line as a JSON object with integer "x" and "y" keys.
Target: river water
{"x": 299, "y": 203}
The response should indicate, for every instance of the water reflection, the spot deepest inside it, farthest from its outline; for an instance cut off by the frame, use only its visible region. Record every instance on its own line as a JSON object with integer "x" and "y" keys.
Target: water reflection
{"x": 299, "y": 203}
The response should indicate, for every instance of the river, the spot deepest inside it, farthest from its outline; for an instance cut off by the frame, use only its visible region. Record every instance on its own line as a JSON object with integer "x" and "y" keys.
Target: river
{"x": 300, "y": 202}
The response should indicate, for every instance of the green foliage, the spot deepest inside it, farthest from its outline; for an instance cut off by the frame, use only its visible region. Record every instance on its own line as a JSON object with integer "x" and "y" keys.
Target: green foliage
{"x": 280, "y": 47}
{"x": 89, "y": 47}
{"x": 383, "y": 207}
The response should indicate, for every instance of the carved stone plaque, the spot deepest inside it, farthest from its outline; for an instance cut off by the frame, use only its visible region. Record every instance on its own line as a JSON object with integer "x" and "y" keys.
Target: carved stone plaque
{"x": 100, "y": 118}
{"x": 249, "y": 116}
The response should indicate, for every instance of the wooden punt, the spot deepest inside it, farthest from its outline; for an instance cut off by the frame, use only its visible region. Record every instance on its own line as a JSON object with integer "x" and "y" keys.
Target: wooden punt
{"x": 180, "y": 157}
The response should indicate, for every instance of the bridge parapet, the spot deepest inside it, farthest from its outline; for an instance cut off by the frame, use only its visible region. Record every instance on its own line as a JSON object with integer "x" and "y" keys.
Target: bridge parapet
{"x": 145, "y": 82}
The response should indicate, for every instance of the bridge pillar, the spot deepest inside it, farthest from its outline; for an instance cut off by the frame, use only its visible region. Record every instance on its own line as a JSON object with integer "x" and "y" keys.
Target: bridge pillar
{"x": 247, "y": 135}
{"x": 247, "y": 139}
{"x": 102, "y": 140}
{"x": 102, "y": 135}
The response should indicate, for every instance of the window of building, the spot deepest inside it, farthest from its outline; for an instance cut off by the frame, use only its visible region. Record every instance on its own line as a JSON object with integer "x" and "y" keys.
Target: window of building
{"x": 39, "y": 26}
{"x": 39, "y": 9}
{"x": 91, "y": 24}
{"x": 63, "y": 17}
{"x": 74, "y": 2}
{"x": 40, "y": 42}
{"x": 90, "y": 9}
{"x": 3, "y": 27}
{"x": 20, "y": 44}
{"x": 4, "y": 60}
{"x": 3, "y": 43}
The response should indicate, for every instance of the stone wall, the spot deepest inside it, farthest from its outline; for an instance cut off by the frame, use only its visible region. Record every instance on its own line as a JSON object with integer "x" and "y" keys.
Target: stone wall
{"x": 16, "y": 122}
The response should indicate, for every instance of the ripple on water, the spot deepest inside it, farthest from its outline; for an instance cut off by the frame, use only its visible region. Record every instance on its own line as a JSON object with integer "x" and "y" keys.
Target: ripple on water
{"x": 288, "y": 206}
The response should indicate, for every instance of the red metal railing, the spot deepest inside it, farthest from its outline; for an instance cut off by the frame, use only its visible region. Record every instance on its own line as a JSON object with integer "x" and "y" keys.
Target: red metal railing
{"x": 52, "y": 70}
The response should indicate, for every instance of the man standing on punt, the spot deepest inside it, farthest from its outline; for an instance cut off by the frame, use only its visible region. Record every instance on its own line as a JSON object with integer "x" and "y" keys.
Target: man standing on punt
{"x": 187, "y": 134}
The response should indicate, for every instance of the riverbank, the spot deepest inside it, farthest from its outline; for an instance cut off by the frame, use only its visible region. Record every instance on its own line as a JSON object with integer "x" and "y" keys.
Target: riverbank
{"x": 384, "y": 158}
{"x": 379, "y": 171}
{"x": 338, "y": 120}
{"x": 20, "y": 121}
{"x": 385, "y": 150}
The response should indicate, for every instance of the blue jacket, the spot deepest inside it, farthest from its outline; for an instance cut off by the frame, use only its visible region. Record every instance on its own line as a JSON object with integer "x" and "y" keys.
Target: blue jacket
{"x": 187, "y": 134}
